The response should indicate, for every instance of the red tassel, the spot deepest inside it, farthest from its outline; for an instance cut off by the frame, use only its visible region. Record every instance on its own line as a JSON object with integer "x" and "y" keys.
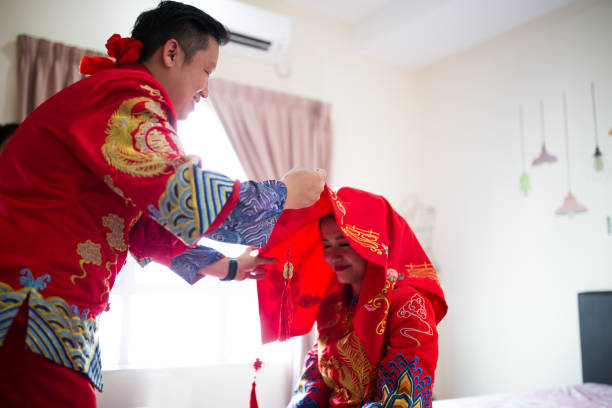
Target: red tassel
{"x": 253, "y": 397}
{"x": 256, "y": 366}
{"x": 286, "y": 306}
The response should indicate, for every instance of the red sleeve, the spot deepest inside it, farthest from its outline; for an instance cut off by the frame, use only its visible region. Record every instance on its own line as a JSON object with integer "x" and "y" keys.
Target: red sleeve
{"x": 149, "y": 241}
{"x": 125, "y": 134}
{"x": 406, "y": 371}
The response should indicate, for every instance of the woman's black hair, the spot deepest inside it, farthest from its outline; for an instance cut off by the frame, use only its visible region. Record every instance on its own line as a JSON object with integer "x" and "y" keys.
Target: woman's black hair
{"x": 189, "y": 25}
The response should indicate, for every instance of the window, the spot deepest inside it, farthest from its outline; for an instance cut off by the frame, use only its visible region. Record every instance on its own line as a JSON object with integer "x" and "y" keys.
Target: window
{"x": 158, "y": 320}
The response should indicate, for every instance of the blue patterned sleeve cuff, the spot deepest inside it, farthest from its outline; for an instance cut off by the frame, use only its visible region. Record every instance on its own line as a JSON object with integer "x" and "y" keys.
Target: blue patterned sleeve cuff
{"x": 253, "y": 218}
{"x": 191, "y": 202}
{"x": 187, "y": 264}
{"x": 311, "y": 384}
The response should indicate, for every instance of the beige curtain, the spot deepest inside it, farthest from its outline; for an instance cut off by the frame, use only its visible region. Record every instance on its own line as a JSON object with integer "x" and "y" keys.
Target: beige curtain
{"x": 273, "y": 132}
{"x": 45, "y": 68}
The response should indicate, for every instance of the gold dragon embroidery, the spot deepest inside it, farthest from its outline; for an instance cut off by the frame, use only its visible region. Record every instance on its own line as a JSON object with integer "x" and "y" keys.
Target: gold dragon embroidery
{"x": 141, "y": 143}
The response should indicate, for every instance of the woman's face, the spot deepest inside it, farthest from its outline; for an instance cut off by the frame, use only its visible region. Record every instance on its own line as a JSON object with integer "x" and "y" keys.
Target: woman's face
{"x": 349, "y": 266}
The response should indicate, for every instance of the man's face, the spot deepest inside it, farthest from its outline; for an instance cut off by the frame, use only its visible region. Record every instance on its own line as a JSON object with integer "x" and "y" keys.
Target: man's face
{"x": 190, "y": 80}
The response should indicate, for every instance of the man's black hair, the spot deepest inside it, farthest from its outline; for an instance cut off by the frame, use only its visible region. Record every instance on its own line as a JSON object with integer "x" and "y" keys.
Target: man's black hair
{"x": 6, "y": 131}
{"x": 189, "y": 25}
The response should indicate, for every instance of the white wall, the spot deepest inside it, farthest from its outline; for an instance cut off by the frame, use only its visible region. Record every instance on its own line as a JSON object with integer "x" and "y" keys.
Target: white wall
{"x": 511, "y": 269}
{"x": 372, "y": 103}
{"x": 194, "y": 387}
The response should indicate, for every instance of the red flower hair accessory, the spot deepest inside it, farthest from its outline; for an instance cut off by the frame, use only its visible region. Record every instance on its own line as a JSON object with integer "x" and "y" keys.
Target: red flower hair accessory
{"x": 123, "y": 50}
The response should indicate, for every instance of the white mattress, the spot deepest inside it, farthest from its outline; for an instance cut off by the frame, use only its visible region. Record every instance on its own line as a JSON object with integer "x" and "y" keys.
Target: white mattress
{"x": 588, "y": 395}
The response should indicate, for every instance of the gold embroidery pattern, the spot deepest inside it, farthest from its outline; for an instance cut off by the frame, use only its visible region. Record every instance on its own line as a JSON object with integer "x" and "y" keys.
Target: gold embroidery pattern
{"x": 423, "y": 271}
{"x": 10, "y": 302}
{"x": 109, "y": 182}
{"x": 56, "y": 330}
{"x": 402, "y": 397}
{"x": 156, "y": 93}
{"x": 327, "y": 368}
{"x": 378, "y": 301}
{"x": 356, "y": 368}
{"x": 375, "y": 303}
{"x": 115, "y": 241}
{"x": 115, "y": 237}
{"x": 334, "y": 197}
{"x": 134, "y": 220}
{"x": 366, "y": 238}
{"x": 327, "y": 365}
{"x": 90, "y": 254}
{"x": 142, "y": 144}
{"x": 107, "y": 279}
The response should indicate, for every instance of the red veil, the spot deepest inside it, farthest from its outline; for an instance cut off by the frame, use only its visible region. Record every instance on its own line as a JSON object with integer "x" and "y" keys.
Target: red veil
{"x": 290, "y": 296}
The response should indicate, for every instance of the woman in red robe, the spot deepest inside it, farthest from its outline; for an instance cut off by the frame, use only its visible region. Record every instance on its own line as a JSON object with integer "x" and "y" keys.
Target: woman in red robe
{"x": 354, "y": 266}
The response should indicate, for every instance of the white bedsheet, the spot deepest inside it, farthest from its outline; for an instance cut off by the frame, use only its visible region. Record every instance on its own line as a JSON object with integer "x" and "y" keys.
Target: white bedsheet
{"x": 587, "y": 395}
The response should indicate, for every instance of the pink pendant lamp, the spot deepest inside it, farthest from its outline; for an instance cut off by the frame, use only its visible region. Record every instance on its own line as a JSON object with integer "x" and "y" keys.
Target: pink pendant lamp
{"x": 544, "y": 156}
{"x": 570, "y": 205}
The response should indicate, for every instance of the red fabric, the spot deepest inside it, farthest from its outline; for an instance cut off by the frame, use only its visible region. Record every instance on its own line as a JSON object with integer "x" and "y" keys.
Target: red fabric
{"x": 28, "y": 380}
{"x": 256, "y": 367}
{"x": 253, "y": 401}
{"x": 123, "y": 50}
{"x": 387, "y": 243}
{"x": 337, "y": 372}
{"x": 383, "y": 348}
{"x": 71, "y": 217}
{"x": 77, "y": 176}
{"x": 148, "y": 239}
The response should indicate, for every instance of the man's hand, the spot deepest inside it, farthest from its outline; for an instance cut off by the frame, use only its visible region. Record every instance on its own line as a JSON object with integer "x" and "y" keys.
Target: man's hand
{"x": 304, "y": 187}
{"x": 249, "y": 265}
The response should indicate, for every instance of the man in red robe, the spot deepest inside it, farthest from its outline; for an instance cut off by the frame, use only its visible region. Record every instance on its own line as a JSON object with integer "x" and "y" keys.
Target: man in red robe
{"x": 97, "y": 171}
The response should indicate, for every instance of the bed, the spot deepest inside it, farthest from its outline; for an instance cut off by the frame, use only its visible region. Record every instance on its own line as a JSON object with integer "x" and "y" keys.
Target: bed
{"x": 589, "y": 395}
{"x": 595, "y": 316}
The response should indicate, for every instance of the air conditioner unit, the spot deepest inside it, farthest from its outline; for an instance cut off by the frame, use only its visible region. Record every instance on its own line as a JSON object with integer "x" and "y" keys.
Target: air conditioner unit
{"x": 254, "y": 32}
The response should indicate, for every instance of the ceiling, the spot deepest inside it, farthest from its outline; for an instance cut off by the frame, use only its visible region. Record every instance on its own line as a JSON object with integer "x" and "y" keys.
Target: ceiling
{"x": 416, "y": 33}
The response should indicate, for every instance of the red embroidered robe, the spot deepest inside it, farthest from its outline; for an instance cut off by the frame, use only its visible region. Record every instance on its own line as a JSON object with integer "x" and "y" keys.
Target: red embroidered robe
{"x": 382, "y": 350}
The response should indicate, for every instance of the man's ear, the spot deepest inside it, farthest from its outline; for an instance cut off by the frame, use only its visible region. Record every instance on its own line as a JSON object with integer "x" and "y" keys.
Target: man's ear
{"x": 170, "y": 53}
